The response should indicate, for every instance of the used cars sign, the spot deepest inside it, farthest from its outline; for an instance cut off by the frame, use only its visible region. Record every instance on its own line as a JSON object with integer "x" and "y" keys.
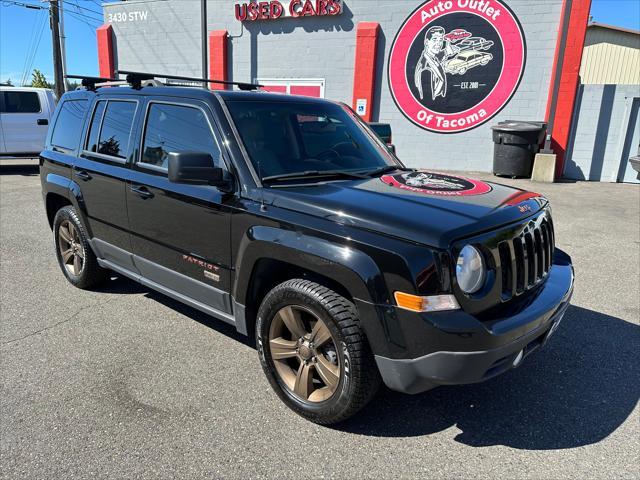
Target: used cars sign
{"x": 275, "y": 9}
{"x": 455, "y": 64}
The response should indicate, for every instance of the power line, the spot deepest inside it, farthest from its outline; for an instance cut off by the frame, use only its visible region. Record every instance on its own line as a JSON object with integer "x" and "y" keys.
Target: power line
{"x": 32, "y": 39}
{"x": 75, "y": 4}
{"x": 81, "y": 17}
{"x": 35, "y": 51}
{"x": 8, "y": 3}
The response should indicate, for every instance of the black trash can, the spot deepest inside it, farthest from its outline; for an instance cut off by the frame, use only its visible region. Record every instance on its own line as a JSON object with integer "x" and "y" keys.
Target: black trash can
{"x": 515, "y": 146}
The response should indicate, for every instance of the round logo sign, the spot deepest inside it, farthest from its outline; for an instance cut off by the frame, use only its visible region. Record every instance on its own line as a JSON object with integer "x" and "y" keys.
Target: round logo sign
{"x": 455, "y": 64}
{"x": 436, "y": 183}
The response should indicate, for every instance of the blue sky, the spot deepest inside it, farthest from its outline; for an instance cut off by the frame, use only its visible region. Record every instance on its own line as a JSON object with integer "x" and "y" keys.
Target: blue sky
{"x": 22, "y": 29}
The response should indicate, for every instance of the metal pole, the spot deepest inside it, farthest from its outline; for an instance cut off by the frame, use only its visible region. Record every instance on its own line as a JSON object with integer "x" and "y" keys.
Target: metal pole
{"x": 203, "y": 28}
{"x": 57, "y": 60}
{"x": 63, "y": 50}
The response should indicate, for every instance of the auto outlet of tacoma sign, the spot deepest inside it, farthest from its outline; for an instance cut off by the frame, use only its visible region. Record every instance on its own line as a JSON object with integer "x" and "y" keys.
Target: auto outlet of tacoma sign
{"x": 455, "y": 64}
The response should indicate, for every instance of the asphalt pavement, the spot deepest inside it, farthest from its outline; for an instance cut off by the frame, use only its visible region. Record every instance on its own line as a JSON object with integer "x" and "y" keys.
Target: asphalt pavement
{"x": 126, "y": 383}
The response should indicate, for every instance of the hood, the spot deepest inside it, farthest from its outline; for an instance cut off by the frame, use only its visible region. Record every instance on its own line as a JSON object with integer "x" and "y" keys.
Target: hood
{"x": 424, "y": 207}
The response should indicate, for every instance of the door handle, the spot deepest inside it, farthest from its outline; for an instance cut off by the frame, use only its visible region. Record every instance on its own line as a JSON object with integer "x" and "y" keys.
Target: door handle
{"x": 142, "y": 191}
{"x": 83, "y": 175}
{"x": 42, "y": 121}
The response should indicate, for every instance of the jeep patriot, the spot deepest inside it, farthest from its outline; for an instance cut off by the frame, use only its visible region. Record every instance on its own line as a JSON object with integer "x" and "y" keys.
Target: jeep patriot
{"x": 288, "y": 218}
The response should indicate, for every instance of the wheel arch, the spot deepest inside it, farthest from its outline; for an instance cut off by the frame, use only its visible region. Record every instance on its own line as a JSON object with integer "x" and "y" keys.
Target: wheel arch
{"x": 53, "y": 203}
{"x": 268, "y": 256}
{"x": 62, "y": 191}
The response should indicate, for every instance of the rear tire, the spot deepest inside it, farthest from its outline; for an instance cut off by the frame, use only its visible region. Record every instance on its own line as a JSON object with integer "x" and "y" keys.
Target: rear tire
{"x": 75, "y": 256}
{"x": 314, "y": 353}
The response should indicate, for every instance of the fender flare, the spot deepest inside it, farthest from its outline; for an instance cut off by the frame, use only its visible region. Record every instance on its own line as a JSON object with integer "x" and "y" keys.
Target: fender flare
{"x": 352, "y": 268}
{"x": 65, "y": 187}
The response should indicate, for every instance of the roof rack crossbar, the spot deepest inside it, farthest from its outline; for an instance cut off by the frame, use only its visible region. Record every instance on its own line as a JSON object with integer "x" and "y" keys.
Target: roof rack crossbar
{"x": 136, "y": 79}
{"x": 90, "y": 82}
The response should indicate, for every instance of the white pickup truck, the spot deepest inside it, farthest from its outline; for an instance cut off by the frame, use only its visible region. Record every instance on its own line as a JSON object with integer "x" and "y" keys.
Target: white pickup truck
{"x": 25, "y": 114}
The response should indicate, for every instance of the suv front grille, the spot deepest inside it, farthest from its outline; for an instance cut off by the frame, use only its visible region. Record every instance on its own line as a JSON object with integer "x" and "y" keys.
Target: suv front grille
{"x": 525, "y": 260}
{"x": 519, "y": 258}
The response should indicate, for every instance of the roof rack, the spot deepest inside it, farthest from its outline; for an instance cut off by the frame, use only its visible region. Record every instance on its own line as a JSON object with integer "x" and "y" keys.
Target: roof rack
{"x": 91, "y": 83}
{"x": 135, "y": 79}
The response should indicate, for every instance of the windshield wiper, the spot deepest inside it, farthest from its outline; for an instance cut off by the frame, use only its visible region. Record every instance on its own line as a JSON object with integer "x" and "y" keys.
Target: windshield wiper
{"x": 385, "y": 169}
{"x": 314, "y": 174}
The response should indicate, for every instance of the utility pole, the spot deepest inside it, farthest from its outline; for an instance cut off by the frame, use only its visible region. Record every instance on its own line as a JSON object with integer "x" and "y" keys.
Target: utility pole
{"x": 54, "y": 16}
{"x": 63, "y": 49}
{"x": 203, "y": 28}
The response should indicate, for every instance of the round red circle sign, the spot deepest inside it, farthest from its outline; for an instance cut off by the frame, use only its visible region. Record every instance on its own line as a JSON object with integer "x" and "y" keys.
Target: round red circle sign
{"x": 455, "y": 64}
{"x": 432, "y": 183}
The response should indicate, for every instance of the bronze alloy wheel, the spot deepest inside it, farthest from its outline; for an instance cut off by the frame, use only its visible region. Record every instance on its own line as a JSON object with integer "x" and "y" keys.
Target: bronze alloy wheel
{"x": 71, "y": 249}
{"x": 304, "y": 353}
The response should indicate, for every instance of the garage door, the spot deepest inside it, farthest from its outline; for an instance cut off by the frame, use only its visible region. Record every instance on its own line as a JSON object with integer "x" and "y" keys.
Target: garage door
{"x": 294, "y": 86}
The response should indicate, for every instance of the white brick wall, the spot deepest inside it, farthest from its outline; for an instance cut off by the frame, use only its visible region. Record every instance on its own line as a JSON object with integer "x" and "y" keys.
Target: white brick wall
{"x": 169, "y": 41}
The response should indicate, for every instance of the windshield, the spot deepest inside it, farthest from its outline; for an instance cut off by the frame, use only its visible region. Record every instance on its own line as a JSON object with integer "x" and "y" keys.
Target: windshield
{"x": 284, "y": 138}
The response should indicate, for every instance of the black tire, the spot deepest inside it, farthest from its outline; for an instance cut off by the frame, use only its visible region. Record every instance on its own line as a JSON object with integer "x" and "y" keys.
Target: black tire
{"x": 359, "y": 378}
{"x": 90, "y": 274}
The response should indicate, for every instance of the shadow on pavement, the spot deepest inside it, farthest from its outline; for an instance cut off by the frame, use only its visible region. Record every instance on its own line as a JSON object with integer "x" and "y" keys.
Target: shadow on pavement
{"x": 26, "y": 170}
{"x": 121, "y": 285}
{"x": 576, "y": 391}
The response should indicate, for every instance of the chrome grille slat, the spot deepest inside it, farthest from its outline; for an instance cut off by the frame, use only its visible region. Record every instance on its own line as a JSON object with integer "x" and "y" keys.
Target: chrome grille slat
{"x": 530, "y": 259}
{"x": 538, "y": 248}
{"x": 506, "y": 266}
{"x": 526, "y": 259}
{"x": 521, "y": 265}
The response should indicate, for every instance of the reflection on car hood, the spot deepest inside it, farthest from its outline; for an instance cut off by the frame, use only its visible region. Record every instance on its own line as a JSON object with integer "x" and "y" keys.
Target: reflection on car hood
{"x": 423, "y": 207}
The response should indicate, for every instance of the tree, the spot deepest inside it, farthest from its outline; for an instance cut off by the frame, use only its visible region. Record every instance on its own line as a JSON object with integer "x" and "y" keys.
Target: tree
{"x": 72, "y": 85}
{"x": 8, "y": 83}
{"x": 38, "y": 80}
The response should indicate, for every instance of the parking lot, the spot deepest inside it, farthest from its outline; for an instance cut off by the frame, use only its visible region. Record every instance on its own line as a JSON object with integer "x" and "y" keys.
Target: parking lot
{"x": 126, "y": 383}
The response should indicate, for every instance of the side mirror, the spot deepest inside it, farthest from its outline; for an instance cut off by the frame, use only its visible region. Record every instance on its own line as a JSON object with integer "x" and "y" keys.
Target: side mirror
{"x": 196, "y": 168}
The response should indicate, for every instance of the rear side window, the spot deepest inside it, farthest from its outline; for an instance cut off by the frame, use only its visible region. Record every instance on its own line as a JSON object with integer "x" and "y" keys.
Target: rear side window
{"x": 94, "y": 130}
{"x": 68, "y": 127}
{"x": 176, "y": 128}
{"x": 115, "y": 131}
{"x": 19, "y": 102}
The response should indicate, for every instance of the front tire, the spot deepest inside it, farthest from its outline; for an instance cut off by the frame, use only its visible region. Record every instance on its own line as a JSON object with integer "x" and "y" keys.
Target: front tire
{"x": 314, "y": 353}
{"x": 75, "y": 256}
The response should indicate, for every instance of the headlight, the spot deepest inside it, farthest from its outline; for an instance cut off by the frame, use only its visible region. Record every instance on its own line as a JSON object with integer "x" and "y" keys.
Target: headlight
{"x": 470, "y": 270}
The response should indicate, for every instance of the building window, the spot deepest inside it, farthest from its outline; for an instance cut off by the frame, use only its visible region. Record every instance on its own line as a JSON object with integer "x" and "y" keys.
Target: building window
{"x": 294, "y": 86}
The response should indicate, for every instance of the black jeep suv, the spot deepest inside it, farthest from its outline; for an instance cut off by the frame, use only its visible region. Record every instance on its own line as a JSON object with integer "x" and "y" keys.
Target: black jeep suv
{"x": 288, "y": 217}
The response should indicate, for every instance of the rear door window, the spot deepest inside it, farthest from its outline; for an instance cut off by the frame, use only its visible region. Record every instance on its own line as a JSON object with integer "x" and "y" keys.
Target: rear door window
{"x": 176, "y": 128}
{"x": 94, "y": 129}
{"x": 19, "y": 102}
{"x": 115, "y": 132}
{"x": 68, "y": 128}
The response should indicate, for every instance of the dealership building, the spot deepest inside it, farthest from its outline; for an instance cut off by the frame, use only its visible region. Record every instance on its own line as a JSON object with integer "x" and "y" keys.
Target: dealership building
{"x": 440, "y": 72}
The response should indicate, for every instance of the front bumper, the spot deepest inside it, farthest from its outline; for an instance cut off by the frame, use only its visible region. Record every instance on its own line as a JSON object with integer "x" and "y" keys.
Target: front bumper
{"x": 481, "y": 350}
